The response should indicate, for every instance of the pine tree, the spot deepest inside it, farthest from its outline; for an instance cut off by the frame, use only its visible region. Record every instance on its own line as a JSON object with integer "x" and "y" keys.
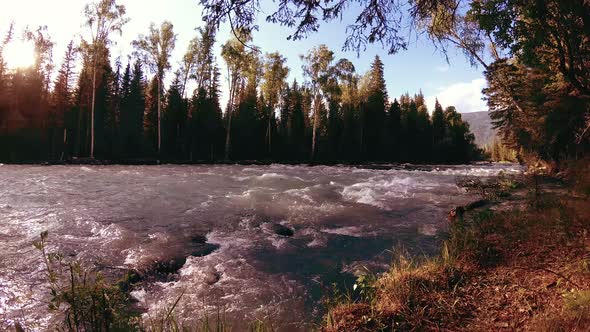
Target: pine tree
{"x": 411, "y": 132}
{"x": 438, "y": 132}
{"x": 438, "y": 123}
{"x": 424, "y": 134}
{"x": 248, "y": 130}
{"x": 133, "y": 113}
{"x": 104, "y": 117}
{"x": 297, "y": 124}
{"x": 334, "y": 130}
{"x": 174, "y": 120}
{"x": 125, "y": 118}
{"x": 374, "y": 112}
{"x": 394, "y": 131}
{"x": 461, "y": 147}
{"x": 283, "y": 128}
{"x": 113, "y": 113}
{"x": 63, "y": 100}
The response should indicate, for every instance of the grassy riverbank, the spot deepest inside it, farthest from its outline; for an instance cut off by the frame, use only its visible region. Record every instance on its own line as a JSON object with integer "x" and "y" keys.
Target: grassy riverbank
{"x": 521, "y": 264}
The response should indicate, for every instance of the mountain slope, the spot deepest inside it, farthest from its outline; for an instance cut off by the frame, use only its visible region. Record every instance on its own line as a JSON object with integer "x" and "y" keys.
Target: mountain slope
{"x": 481, "y": 126}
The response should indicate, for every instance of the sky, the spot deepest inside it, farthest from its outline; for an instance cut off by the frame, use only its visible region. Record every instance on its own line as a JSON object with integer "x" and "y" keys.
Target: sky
{"x": 421, "y": 67}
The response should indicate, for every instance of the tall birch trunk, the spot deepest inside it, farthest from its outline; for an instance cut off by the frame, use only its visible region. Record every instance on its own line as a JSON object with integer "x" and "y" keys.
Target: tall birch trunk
{"x": 92, "y": 109}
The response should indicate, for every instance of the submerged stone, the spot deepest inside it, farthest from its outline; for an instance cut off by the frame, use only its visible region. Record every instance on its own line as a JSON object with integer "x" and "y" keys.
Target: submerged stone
{"x": 204, "y": 249}
{"x": 198, "y": 238}
{"x": 212, "y": 277}
{"x": 281, "y": 230}
{"x": 169, "y": 266}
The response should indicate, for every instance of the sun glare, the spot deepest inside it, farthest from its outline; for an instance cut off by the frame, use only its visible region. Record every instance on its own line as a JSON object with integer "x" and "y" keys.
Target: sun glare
{"x": 19, "y": 54}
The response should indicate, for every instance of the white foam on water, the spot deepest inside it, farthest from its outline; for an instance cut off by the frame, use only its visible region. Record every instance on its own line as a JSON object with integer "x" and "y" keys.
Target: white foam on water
{"x": 348, "y": 231}
{"x": 303, "y": 193}
{"x": 318, "y": 243}
{"x": 129, "y": 172}
{"x": 266, "y": 177}
{"x": 377, "y": 191}
{"x": 139, "y": 295}
{"x": 133, "y": 256}
{"x": 323, "y": 208}
{"x": 483, "y": 171}
{"x": 208, "y": 202}
{"x": 109, "y": 233}
{"x": 244, "y": 195}
{"x": 228, "y": 240}
{"x": 279, "y": 242}
{"x": 132, "y": 215}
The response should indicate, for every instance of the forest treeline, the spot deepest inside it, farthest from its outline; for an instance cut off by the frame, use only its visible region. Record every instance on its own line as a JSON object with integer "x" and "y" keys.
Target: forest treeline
{"x": 535, "y": 55}
{"x": 100, "y": 107}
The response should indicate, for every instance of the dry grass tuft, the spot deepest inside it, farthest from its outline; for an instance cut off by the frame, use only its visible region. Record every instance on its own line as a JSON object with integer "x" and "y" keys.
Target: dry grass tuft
{"x": 527, "y": 268}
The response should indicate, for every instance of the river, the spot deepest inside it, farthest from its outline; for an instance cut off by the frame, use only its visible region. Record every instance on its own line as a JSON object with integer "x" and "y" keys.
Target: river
{"x": 224, "y": 221}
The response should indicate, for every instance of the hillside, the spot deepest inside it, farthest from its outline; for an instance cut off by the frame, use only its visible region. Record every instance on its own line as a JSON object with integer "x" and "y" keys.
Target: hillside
{"x": 481, "y": 126}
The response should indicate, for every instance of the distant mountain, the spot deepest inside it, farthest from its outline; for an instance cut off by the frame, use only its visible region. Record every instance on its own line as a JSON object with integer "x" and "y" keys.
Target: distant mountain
{"x": 481, "y": 126}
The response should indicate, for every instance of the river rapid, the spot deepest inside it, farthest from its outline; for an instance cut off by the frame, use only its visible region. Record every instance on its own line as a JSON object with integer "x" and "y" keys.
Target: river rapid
{"x": 223, "y": 221}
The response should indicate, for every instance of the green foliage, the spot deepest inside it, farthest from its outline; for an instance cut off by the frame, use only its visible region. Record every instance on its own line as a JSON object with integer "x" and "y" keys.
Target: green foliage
{"x": 88, "y": 301}
{"x": 155, "y": 49}
{"x": 373, "y": 113}
{"x": 539, "y": 97}
{"x": 120, "y": 115}
{"x": 501, "y": 153}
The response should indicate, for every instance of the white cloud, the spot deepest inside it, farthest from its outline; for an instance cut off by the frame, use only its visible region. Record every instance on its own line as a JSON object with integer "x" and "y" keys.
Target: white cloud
{"x": 465, "y": 96}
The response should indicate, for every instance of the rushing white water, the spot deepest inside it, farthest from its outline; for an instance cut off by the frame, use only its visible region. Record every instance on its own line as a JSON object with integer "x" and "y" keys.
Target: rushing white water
{"x": 343, "y": 218}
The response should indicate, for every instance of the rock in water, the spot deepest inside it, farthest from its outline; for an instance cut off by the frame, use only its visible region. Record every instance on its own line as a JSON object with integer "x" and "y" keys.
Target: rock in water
{"x": 281, "y": 230}
{"x": 198, "y": 238}
{"x": 169, "y": 266}
{"x": 212, "y": 277}
{"x": 203, "y": 249}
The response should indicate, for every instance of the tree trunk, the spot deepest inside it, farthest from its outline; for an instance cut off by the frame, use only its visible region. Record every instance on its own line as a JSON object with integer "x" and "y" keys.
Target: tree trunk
{"x": 315, "y": 126}
{"x": 92, "y": 109}
{"x": 232, "y": 89}
{"x": 159, "y": 116}
{"x": 65, "y": 144}
{"x": 269, "y": 133}
{"x": 227, "y": 133}
{"x": 51, "y": 136}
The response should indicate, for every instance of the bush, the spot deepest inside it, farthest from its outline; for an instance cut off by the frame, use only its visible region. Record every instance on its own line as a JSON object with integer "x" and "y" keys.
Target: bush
{"x": 87, "y": 301}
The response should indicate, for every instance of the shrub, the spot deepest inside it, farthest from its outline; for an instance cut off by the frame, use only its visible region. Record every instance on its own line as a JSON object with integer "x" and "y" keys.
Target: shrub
{"x": 87, "y": 301}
